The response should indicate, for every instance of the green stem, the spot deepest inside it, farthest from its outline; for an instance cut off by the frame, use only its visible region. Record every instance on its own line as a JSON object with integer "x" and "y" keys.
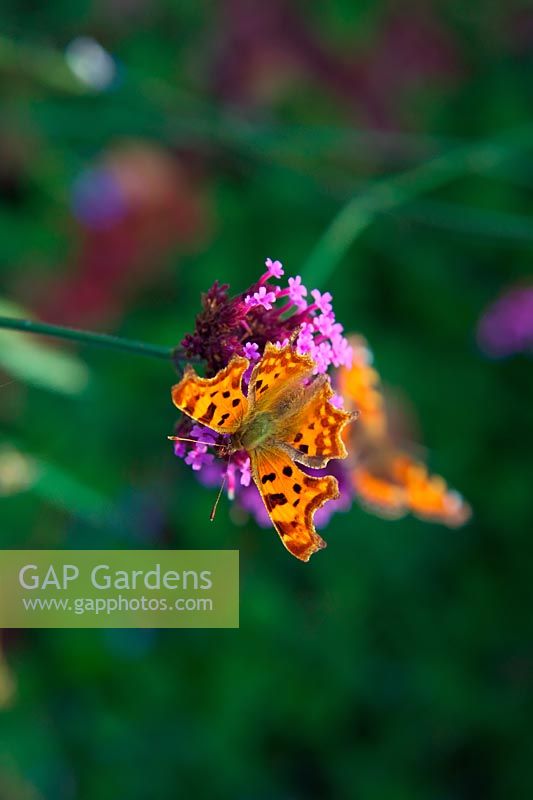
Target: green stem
{"x": 391, "y": 192}
{"x": 88, "y": 337}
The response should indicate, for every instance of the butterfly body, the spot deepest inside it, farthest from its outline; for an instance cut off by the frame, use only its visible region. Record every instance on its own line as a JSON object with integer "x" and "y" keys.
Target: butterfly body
{"x": 284, "y": 419}
{"x": 254, "y": 432}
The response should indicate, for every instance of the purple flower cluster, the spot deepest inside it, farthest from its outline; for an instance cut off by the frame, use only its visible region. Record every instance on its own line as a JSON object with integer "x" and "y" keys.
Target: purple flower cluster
{"x": 266, "y": 312}
{"x": 506, "y": 327}
{"x": 242, "y": 325}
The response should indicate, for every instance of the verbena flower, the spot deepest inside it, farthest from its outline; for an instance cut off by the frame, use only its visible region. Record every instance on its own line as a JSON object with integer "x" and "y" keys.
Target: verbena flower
{"x": 266, "y": 312}
{"x": 261, "y": 298}
{"x": 297, "y": 292}
{"x": 242, "y": 325}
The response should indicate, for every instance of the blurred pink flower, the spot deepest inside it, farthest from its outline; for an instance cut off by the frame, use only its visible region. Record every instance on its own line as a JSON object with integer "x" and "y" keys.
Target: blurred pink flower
{"x": 263, "y": 47}
{"x": 138, "y": 203}
{"x": 506, "y": 327}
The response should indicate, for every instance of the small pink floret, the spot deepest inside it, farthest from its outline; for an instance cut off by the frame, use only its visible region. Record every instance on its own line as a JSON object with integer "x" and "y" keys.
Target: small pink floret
{"x": 275, "y": 268}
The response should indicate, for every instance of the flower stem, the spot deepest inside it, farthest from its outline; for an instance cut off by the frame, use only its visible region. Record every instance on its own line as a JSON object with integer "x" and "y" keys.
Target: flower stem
{"x": 391, "y": 192}
{"x": 89, "y": 337}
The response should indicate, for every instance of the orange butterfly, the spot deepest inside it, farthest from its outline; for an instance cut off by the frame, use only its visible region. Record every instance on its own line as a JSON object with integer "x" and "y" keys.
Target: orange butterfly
{"x": 285, "y": 418}
{"x": 386, "y": 478}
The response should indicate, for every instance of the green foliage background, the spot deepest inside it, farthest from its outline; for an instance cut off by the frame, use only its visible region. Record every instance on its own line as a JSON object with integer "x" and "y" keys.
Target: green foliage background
{"x": 397, "y": 664}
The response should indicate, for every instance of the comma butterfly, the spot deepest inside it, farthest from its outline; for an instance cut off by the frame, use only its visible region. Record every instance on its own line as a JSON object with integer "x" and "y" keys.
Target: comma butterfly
{"x": 386, "y": 478}
{"x": 285, "y": 417}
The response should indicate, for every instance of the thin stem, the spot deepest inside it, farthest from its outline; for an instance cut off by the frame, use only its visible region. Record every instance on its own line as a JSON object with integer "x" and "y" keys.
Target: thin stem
{"x": 387, "y": 194}
{"x": 89, "y": 337}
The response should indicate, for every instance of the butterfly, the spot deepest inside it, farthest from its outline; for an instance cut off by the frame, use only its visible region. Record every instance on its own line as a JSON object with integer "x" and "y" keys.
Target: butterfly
{"x": 386, "y": 477}
{"x": 285, "y": 419}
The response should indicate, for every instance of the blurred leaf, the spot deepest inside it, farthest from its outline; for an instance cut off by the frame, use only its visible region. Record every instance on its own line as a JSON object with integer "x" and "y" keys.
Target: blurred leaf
{"x": 44, "y": 65}
{"x": 29, "y": 360}
{"x": 65, "y": 491}
{"x": 20, "y": 472}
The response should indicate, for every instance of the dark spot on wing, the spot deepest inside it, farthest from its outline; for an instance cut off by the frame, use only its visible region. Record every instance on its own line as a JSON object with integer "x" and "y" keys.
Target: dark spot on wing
{"x": 263, "y": 388}
{"x": 222, "y": 419}
{"x": 270, "y": 477}
{"x": 275, "y": 499}
{"x": 297, "y": 488}
{"x": 287, "y": 471}
{"x": 298, "y": 438}
{"x": 236, "y": 402}
{"x": 213, "y": 394}
{"x": 209, "y": 414}
{"x": 191, "y": 404}
{"x": 296, "y": 502}
{"x": 226, "y": 394}
{"x": 304, "y": 448}
{"x": 311, "y": 426}
{"x": 259, "y": 384}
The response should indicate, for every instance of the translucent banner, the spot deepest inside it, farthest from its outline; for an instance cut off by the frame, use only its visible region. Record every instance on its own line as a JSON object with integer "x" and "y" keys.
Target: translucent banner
{"x": 119, "y": 589}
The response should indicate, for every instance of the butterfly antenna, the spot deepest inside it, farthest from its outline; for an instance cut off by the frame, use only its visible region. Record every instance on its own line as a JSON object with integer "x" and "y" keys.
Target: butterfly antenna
{"x": 219, "y": 495}
{"x": 194, "y": 441}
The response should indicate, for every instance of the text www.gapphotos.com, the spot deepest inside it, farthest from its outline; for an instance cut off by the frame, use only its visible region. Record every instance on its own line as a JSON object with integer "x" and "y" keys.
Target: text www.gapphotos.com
{"x": 110, "y": 605}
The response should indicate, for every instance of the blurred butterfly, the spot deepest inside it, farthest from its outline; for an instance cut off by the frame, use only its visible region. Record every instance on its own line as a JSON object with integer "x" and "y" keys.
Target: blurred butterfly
{"x": 285, "y": 418}
{"x": 386, "y": 477}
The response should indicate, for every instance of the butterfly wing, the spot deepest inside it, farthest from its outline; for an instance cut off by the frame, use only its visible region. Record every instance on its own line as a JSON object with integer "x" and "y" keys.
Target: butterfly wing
{"x": 360, "y": 385}
{"x": 378, "y": 493}
{"x": 291, "y": 498}
{"x": 387, "y": 479}
{"x": 217, "y": 402}
{"x": 428, "y": 496}
{"x": 401, "y": 485}
{"x": 280, "y": 369}
{"x": 314, "y": 430}
{"x": 307, "y": 422}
